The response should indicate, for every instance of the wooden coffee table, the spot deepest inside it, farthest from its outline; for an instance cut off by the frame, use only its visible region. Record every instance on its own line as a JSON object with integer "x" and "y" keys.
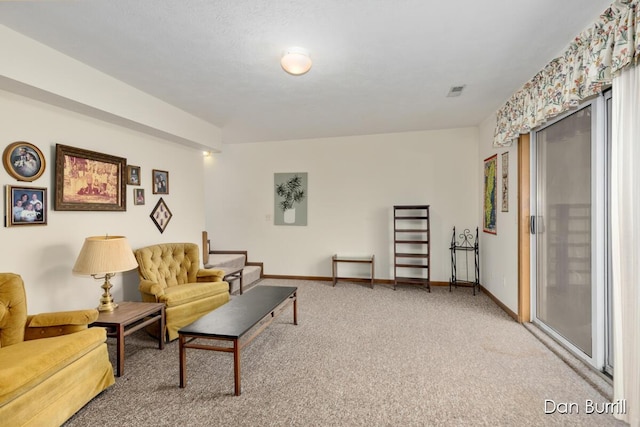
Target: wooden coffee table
{"x": 232, "y": 321}
{"x": 127, "y": 318}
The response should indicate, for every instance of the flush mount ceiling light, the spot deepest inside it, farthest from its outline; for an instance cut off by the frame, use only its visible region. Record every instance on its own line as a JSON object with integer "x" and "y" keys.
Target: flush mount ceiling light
{"x": 296, "y": 61}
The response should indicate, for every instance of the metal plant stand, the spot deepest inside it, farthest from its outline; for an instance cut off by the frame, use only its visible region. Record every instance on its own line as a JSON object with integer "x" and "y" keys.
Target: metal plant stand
{"x": 465, "y": 245}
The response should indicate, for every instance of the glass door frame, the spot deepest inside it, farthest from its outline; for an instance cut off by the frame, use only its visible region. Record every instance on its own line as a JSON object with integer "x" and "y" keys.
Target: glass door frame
{"x": 599, "y": 233}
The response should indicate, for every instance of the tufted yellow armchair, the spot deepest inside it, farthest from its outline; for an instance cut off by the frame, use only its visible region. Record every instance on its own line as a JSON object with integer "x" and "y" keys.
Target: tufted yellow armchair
{"x": 171, "y": 273}
{"x": 51, "y": 364}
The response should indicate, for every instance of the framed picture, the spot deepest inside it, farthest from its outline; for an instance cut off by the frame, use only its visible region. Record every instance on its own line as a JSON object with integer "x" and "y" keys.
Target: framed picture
{"x": 490, "y": 194}
{"x": 133, "y": 175}
{"x": 23, "y": 161}
{"x": 161, "y": 215}
{"x": 89, "y": 181}
{"x": 290, "y": 198}
{"x": 26, "y": 206}
{"x": 505, "y": 182}
{"x": 138, "y": 196}
{"x": 160, "y": 182}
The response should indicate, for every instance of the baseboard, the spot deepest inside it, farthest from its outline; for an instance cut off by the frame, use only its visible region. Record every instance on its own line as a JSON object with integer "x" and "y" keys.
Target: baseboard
{"x": 499, "y": 303}
{"x": 330, "y": 279}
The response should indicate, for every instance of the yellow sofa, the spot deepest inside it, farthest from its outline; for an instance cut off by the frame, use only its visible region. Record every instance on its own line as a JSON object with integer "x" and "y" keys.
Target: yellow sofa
{"x": 51, "y": 364}
{"x": 171, "y": 273}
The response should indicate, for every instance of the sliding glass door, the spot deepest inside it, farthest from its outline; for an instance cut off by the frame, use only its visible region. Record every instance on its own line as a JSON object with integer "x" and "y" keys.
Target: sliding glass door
{"x": 569, "y": 231}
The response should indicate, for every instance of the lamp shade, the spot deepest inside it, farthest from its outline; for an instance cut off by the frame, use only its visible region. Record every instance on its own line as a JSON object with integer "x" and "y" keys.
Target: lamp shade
{"x": 105, "y": 255}
{"x": 296, "y": 61}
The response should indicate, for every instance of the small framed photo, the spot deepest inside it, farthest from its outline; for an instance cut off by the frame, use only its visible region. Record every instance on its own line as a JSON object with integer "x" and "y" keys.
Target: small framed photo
{"x": 26, "y": 206}
{"x": 161, "y": 215}
{"x": 133, "y": 175}
{"x": 160, "y": 182}
{"x": 23, "y": 161}
{"x": 138, "y": 196}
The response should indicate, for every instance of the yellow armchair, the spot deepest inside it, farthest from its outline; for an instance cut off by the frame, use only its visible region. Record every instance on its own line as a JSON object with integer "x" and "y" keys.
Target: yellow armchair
{"x": 51, "y": 364}
{"x": 170, "y": 273}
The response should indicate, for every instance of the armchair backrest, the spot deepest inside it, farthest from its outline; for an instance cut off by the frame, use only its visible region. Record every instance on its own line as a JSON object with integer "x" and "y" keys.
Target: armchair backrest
{"x": 13, "y": 309}
{"x": 169, "y": 264}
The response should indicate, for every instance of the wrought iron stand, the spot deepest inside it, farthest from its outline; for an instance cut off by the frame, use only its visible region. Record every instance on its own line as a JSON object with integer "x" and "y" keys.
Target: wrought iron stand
{"x": 466, "y": 244}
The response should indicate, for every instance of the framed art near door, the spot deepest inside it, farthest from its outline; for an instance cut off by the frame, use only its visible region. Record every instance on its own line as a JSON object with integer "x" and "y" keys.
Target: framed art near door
{"x": 490, "y": 195}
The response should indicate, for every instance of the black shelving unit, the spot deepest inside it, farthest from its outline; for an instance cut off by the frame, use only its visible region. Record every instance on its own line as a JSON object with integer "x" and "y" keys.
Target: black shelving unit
{"x": 412, "y": 245}
{"x": 465, "y": 245}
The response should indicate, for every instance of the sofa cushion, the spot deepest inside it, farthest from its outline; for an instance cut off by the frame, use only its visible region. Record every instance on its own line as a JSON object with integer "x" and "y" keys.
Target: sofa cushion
{"x": 27, "y": 364}
{"x": 178, "y": 295}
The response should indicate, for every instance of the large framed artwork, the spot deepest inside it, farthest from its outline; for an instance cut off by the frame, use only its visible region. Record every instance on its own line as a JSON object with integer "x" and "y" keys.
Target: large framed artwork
{"x": 26, "y": 206}
{"x": 490, "y": 195}
{"x": 290, "y": 198}
{"x": 23, "y": 161}
{"x": 89, "y": 181}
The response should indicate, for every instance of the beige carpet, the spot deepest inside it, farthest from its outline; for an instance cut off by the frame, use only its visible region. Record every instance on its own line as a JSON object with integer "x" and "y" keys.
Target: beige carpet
{"x": 358, "y": 357}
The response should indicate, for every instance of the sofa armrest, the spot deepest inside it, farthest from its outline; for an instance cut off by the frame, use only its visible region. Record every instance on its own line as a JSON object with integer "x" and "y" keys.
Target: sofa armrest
{"x": 151, "y": 288}
{"x": 47, "y": 325}
{"x": 210, "y": 275}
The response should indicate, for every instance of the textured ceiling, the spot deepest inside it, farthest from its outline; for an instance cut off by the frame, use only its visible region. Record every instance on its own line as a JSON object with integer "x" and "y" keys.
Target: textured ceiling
{"x": 379, "y": 65}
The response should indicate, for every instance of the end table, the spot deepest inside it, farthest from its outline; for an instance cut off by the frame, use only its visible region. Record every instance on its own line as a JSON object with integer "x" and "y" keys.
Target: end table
{"x": 127, "y": 318}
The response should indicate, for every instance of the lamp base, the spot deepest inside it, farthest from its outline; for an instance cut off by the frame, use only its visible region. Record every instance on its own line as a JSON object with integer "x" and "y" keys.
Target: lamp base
{"x": 106, "y": 301}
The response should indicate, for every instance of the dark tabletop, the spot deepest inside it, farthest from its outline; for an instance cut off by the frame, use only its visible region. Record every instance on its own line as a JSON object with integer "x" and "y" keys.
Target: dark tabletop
{"x": 236, "y": 317}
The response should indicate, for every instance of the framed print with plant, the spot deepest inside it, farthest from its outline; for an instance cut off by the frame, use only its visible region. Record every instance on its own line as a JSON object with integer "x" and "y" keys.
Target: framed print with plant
{"x": 161, "y": 215}
{"x": 89, "y": 181}
{"x": 133, "y": 175}
{"x": 26, "y": 206}
{"x": 138, "y": 196}
{"x": 505, "y": 182}
{"x": 290, "y": 198}
{"x": 160, "y": 182}
{"x": 23, "y": 161}
{"x": 490, "y": 195}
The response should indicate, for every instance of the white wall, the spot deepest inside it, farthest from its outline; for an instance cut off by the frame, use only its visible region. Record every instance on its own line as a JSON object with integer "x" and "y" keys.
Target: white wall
{"x": 499, "y": 252}
{"x": 353, "y": 184}
{"x": 44, "y": 255}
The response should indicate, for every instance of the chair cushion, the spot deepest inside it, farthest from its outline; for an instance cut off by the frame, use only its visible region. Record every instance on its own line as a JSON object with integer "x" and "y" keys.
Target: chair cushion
{"x": 183, "y": 294}
{"x": 27, "y": 364}
{"x": 14, "y": 311}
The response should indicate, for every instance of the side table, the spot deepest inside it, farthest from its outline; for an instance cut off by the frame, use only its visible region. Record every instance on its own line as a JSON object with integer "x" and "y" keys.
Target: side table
{"x": 127, "y": 318}
{"x": 364, "y": 259}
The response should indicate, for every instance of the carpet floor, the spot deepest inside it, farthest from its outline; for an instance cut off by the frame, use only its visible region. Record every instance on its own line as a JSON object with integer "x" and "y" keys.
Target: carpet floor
{"x": 358, "y": 357}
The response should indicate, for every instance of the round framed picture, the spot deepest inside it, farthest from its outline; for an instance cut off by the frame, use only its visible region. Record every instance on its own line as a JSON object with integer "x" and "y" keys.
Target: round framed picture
{"x": 23, "y": 161}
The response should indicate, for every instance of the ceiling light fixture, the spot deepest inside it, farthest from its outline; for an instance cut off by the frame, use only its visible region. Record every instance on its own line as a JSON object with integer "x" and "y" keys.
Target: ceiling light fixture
{"x": 296, "y": 61}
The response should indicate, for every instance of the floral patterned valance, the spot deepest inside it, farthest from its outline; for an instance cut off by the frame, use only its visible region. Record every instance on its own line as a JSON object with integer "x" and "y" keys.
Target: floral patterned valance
{"x": 609, "y": 45}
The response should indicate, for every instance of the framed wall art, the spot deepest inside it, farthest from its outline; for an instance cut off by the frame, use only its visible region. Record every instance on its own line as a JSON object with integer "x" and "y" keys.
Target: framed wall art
{"x": 160, "y": 182}
{"x": 505, "y": 182}
{"x": 133, "y": 175}
{"x": 138, "y": 196}
{"x": 26, "y": 206}
{"x": 290, "y": 198}
{"x": 89, "y": 181}
{"x": 23, "y": 161}
{"x": 490, "y": 194}
{"x": 161, "y": 215}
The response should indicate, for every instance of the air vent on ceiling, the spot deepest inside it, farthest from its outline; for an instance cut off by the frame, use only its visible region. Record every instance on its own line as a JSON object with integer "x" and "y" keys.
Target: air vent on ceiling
{"x": 455, "y": 91}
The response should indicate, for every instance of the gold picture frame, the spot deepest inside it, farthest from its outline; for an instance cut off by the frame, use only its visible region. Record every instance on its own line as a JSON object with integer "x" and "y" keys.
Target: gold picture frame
{"x": 89, "y": 181}
{"x": 133, "y": 175}
{"x": 23, "y": 161}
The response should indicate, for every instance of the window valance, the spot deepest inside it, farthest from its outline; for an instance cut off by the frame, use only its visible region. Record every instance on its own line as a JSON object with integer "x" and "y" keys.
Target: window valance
{"x": 602, "y": 50}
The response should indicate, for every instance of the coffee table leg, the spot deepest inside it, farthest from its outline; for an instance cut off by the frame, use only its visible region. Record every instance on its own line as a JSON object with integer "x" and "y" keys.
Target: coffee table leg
{"x": 295, "y": 308}
{"x": 183, "y": 362}
{"x": 236, "y": 365}
{"x": 241, "y": 282}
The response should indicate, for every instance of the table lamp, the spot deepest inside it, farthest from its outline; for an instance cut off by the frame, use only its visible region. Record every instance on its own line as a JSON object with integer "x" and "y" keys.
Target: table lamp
{"x": 105, "y": 255}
